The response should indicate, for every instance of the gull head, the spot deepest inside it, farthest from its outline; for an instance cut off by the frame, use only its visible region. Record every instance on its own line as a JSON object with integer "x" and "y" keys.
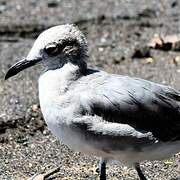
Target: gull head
{"x": 54, "y": 48}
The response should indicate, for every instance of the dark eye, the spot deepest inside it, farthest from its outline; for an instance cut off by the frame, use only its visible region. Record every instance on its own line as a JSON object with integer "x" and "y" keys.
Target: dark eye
{"x": 51, "y": 49}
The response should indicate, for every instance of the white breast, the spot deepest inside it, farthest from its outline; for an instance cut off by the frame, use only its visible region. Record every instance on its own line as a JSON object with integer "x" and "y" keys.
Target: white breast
{"x": 57, "y": 106}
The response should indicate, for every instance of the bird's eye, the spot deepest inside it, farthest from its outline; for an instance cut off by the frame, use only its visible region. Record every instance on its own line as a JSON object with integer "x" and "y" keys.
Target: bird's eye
{"x": 51, "y": 49}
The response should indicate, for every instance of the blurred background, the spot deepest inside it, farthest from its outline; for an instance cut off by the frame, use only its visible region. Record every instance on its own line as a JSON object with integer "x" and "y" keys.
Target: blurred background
{"x": 134, "y": 37}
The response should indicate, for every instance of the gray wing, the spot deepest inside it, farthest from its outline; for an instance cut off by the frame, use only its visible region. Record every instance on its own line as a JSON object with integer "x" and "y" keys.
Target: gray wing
{"x": 144, "y": 105}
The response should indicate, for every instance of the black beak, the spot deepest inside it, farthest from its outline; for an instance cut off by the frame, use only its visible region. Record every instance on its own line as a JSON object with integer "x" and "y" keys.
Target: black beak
{"x": 19, "y": 66}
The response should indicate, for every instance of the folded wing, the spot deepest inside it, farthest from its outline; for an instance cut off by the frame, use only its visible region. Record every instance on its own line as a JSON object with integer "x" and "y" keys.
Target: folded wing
{"x": 142, "y": 104}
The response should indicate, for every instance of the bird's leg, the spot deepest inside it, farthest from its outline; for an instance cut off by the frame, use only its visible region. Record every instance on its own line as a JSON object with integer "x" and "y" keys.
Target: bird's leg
{"x": 102, "y": 169}
{"x": 139, "y": 171}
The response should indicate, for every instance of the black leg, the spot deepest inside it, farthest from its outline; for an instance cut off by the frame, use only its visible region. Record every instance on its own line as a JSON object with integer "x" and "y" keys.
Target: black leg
{"x": 102, "y": 169}
{"x": 140, "y": 173}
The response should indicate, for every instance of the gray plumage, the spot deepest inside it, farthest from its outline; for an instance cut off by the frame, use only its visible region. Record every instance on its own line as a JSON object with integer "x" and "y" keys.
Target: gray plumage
{"x": 144, "y": 105}
{"x": 107, "y": 115}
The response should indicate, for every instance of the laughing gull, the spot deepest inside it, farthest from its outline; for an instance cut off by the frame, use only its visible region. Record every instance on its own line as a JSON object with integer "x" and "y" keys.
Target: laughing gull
{"x": 105, "y": 115}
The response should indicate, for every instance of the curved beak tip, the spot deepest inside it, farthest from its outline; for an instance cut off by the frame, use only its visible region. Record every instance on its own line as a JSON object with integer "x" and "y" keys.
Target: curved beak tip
{"x": 6, "y": 76}
{"x": 9, "y": 74}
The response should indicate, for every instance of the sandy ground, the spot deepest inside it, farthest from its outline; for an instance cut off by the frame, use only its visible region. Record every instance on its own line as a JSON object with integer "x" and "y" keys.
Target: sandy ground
{"x": 114, "y": 29}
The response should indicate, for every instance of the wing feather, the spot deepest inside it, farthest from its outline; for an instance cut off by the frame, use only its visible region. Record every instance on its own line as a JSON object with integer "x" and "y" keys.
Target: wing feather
{"x": 144, "y": 105}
